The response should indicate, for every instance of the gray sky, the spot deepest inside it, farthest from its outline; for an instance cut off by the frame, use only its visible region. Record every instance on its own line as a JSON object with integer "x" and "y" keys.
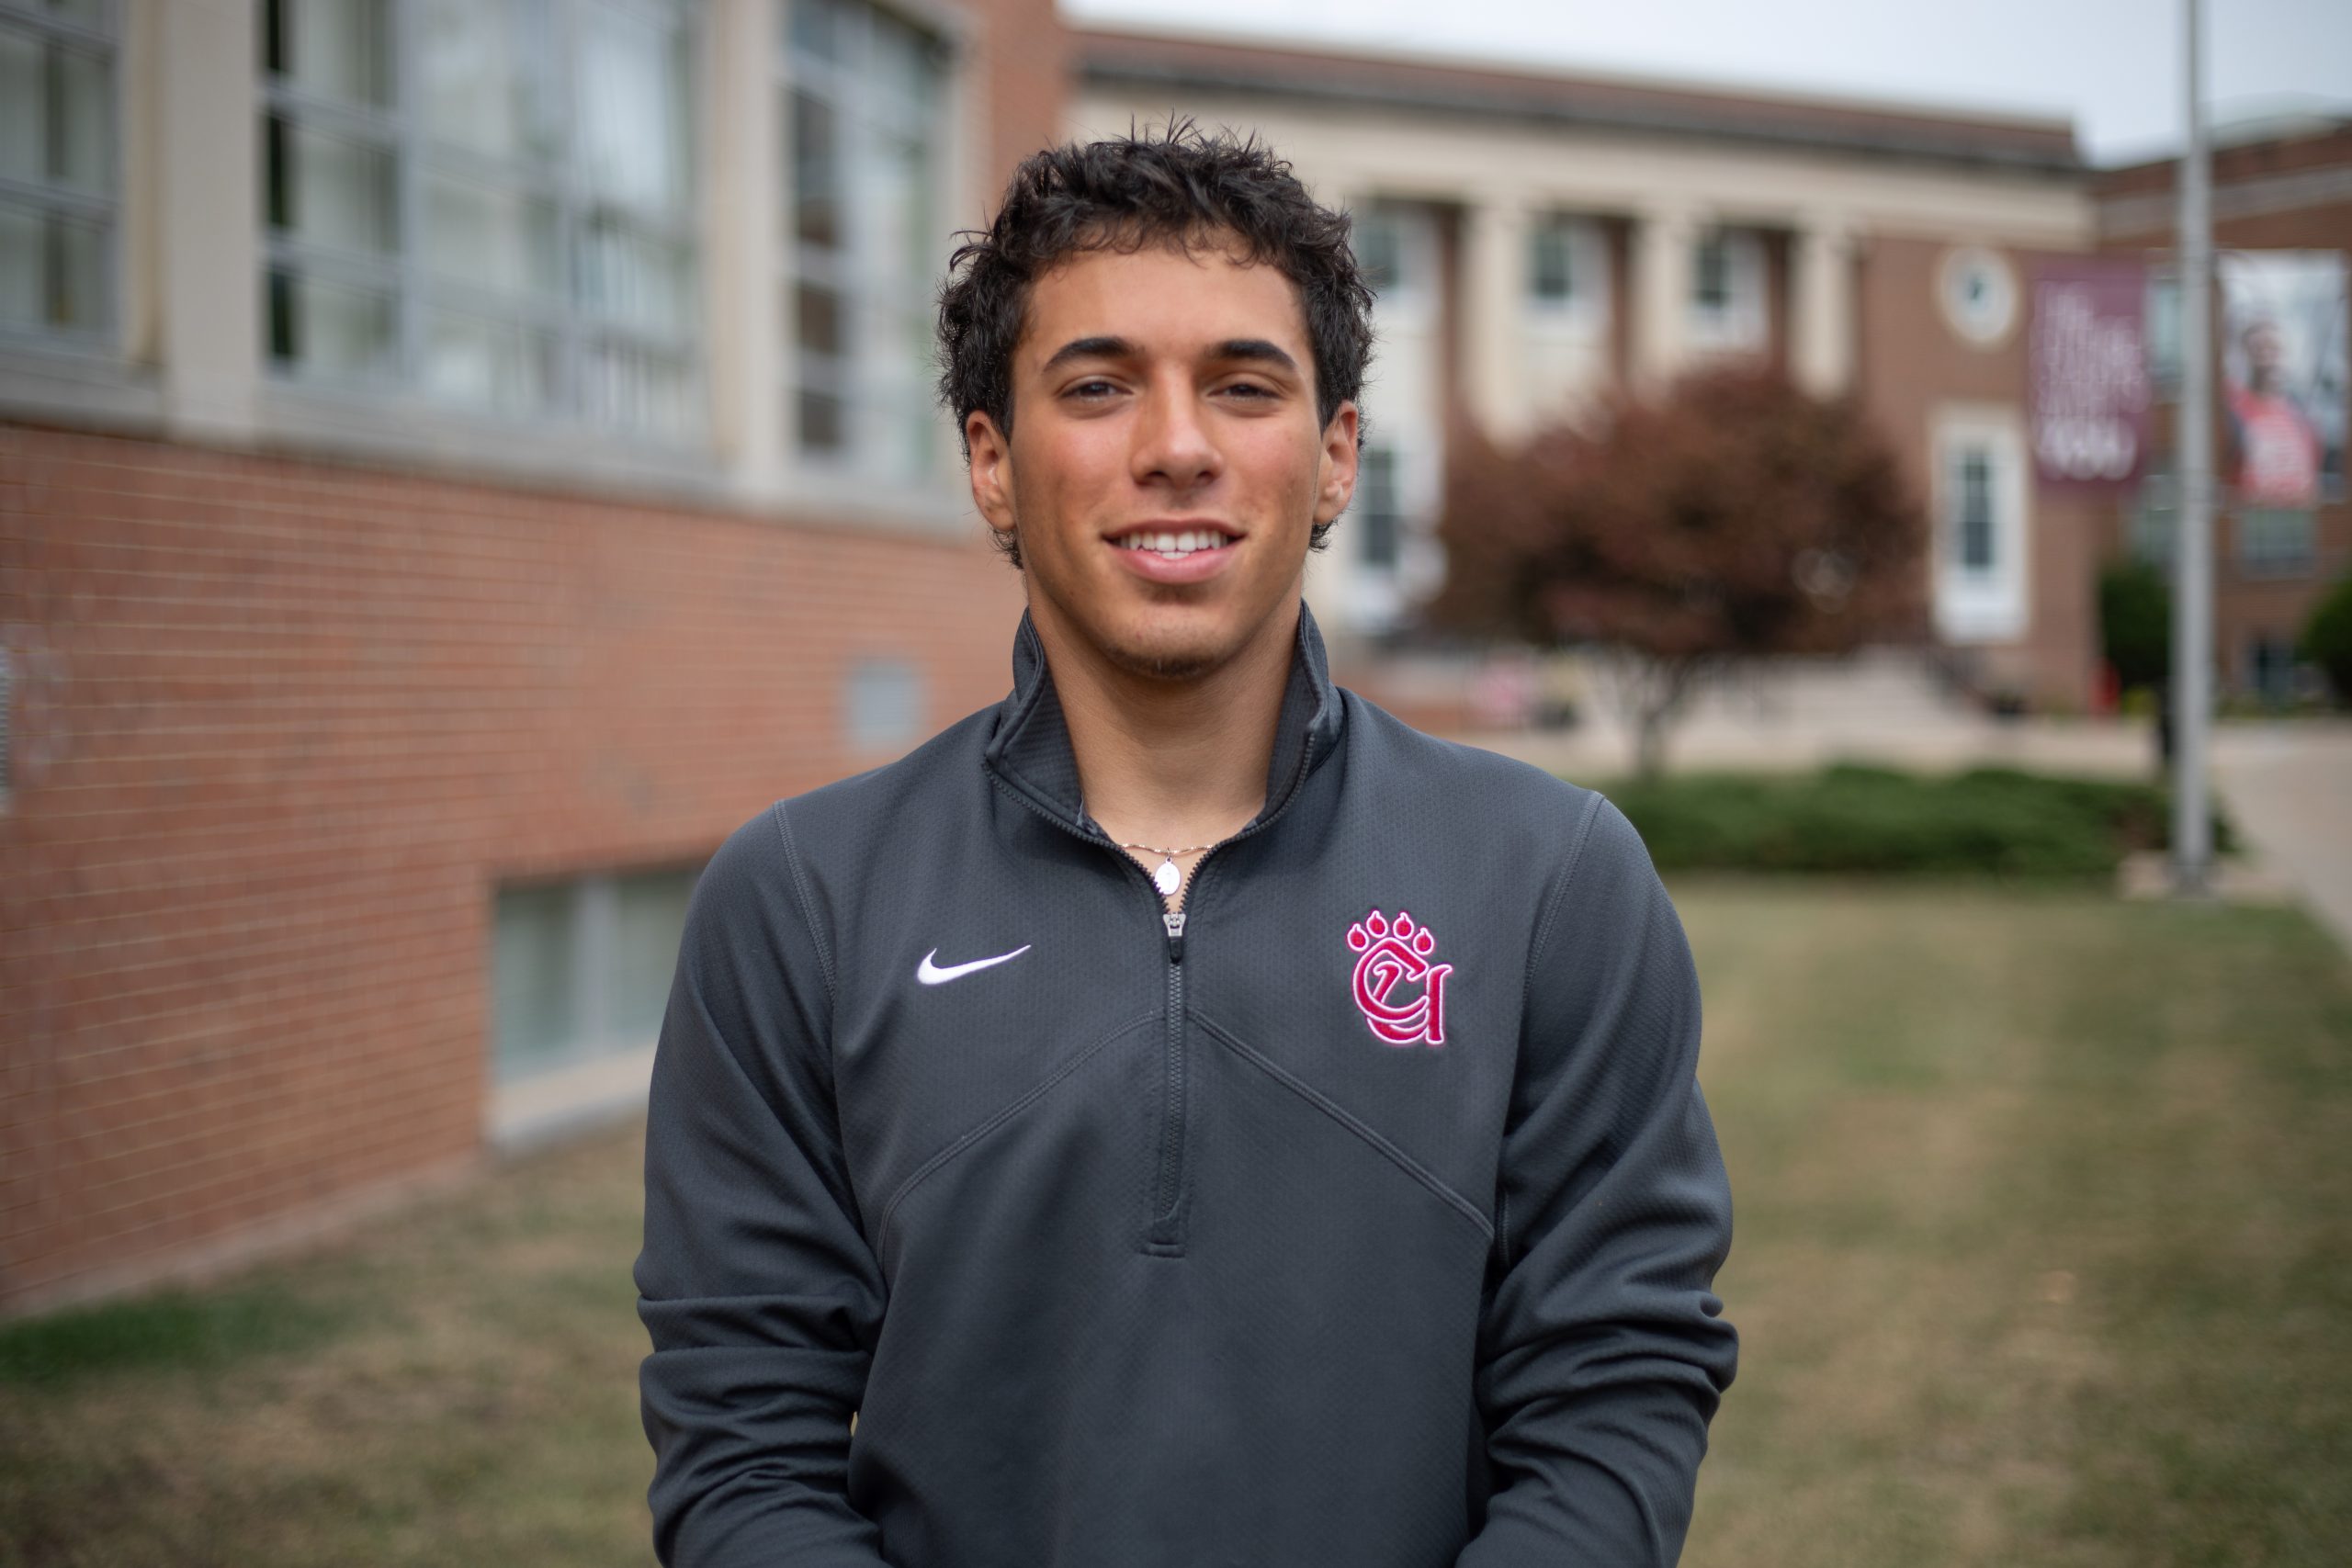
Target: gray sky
{"x": 2114, "y": 65}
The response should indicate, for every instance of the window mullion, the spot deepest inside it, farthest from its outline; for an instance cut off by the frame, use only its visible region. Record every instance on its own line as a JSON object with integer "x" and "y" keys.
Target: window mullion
{"x": 408, "y": 187}
{"x": 567, "y": 395}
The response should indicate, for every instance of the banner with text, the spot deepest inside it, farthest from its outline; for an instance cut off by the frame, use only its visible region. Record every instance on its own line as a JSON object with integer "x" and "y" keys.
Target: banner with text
{"x": 2087, "y": 364}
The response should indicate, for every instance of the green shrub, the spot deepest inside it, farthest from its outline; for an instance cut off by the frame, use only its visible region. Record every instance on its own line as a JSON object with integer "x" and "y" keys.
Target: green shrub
{"x": 2135, "y": 622}
{"x": 1859, "y": 819}
{"x": 2328, "y": 637}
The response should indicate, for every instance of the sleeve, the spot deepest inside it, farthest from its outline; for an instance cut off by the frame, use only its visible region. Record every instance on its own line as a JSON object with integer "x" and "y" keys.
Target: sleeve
{"x": 756, "y": 1283}
{"x": 1603, "y": 1351}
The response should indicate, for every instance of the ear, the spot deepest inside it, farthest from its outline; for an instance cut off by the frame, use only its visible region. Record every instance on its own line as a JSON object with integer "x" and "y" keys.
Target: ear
{"x": 1336, "y": 473}
{"x": 991, "y": 470}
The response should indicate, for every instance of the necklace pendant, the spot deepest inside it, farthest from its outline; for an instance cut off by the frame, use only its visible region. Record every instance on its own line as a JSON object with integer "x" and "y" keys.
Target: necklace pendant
{"x": 1167, "y": 878}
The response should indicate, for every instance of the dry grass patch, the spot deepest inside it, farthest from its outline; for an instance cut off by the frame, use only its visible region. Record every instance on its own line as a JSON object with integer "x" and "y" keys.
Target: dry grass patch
{"x": 2043, "y": 1257}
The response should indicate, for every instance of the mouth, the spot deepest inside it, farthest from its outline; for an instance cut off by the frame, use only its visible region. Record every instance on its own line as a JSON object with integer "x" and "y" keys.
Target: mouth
{"x": 1175, "y": 544}
{"x": 1175, "y": 554}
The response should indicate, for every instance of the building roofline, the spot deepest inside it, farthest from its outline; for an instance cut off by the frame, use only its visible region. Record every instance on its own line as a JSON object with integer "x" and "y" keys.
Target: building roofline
{"x": 2026, "y": 143}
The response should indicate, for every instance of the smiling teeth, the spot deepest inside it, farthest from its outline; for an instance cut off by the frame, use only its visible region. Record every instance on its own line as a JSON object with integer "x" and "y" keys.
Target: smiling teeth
{"x": 1175, "y": 546}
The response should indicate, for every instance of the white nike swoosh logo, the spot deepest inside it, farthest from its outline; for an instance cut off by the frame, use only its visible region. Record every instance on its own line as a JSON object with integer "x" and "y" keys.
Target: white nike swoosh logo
{"x": 930, "y": 974}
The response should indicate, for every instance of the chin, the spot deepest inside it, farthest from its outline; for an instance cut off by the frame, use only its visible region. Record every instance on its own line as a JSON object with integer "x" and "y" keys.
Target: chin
{"x": 1151, "y": 646}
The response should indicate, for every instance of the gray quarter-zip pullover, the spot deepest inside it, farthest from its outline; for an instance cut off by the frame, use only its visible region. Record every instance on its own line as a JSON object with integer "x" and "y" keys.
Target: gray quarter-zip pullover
{"x": 1366, "y": 1215}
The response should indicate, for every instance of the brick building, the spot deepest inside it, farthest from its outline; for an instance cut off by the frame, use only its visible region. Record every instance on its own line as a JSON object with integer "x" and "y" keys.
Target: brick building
{"x": 1541, "y": 237}
{"x": 2276, "y": 187}
{"x": 430, "y": 517}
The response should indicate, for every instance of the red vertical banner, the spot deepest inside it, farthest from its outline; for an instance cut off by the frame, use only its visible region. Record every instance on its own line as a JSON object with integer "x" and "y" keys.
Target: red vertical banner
{"x": 2088, "y": 365}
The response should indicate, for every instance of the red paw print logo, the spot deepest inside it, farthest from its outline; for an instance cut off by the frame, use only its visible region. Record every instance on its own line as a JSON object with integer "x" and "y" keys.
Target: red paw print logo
{"x": 1395, "y": 962}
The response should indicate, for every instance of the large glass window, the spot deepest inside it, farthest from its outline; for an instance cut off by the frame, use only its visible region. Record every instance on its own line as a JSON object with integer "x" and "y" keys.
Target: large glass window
{"x": 863, "y": 111}
{"x": 57, "y": 168}
{"x": 582, "y": 969}
{"x": 489, "y": 201}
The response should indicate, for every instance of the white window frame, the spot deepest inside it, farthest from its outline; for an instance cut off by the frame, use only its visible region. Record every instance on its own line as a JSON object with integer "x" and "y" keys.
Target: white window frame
{"x": 403, "y": 273}
{"x": 1741, "y": 325}
{"x": 100, "y": 210}
{"x": 1987, "y": 604}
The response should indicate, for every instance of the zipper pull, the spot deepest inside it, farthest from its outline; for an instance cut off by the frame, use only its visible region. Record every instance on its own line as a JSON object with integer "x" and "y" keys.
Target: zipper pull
{"x": 1175, "y": 924}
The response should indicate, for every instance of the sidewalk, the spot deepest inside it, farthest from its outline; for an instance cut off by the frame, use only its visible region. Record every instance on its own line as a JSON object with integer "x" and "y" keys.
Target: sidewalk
{"x": 2288, "y": 788}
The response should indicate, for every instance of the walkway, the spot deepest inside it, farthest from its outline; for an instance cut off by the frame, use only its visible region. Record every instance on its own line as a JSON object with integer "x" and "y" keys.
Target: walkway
{"x": 2288, "y": 785}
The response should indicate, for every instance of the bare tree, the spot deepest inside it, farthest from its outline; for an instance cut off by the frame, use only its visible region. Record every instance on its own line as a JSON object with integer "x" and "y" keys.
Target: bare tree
{"x": 1733, "y": 518}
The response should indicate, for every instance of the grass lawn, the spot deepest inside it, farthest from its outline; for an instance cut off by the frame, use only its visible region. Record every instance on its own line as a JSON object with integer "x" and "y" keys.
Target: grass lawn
{"x": 2044, "y": 1256}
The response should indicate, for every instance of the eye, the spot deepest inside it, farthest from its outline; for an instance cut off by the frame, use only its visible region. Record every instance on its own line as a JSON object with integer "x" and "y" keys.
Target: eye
{"x": 1252, "y": 391}
{"x": 1090, "y": 391}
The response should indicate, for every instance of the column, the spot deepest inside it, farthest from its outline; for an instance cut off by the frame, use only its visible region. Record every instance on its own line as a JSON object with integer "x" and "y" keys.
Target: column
{"x": 207, "y": 278}
{"x": 1821, "y": 305}
{"x": 744, "y": 197}
{"x": 1494, "y": 296}
{"x": 1662, "y": 242}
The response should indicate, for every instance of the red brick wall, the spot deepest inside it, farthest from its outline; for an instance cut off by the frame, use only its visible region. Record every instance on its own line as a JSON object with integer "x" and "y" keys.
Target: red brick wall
{"x": 1910, "y": 359}
{"x": 279, "y": 728}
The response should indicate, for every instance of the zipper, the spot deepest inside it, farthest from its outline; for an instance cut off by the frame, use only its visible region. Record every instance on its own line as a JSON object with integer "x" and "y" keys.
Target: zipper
{"x": 1163, "y": 1233}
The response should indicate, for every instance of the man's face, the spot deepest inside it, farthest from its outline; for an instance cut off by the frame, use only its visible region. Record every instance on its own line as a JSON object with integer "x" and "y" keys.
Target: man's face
{"x": 1165, "y": 464}
{"x": 2265, "y": 349}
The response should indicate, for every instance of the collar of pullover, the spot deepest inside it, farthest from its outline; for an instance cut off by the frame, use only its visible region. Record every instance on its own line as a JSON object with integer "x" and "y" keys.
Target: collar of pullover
{"x": 1030, "y": 749}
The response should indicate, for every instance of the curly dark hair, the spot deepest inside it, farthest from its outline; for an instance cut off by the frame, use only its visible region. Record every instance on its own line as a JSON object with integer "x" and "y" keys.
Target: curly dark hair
{"x": 1180, "y": 186}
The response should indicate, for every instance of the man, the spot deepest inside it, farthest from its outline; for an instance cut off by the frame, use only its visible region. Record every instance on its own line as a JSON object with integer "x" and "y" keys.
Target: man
{"x": 1185, "y": 1116}
{"x": 2278, "y": 449}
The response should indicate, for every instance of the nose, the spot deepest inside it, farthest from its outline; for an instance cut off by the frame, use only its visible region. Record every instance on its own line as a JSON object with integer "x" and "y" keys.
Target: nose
{"x": 1174, "y": 446}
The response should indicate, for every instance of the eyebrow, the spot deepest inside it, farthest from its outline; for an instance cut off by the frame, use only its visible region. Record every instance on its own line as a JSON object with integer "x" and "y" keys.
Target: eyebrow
{"x": 1245, "y": 348}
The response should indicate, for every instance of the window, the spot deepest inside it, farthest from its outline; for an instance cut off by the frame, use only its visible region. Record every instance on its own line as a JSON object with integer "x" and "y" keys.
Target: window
{"x": 1710, "y": 286}
{"x": 1980, "y": 510}
{"x": 57, "y": 168}
{"x": 2155, "y": 515}
{"x": 1567, "y": 266}
{"x": 1379, "y": 512}
{"x": 864, "y": 94}
{"x": 1972, "y": 522}
{"x": 1552, "y": 270}
{"x": 1378, "y": 247}
{"x": 882, "y": 705}
{"x": 1727, "y": 290}
{"x": 1396, "y": 247}
{"x": 488, "y": 202}
{"x": 2270, "y": 668}
{"x": 2163, "y": 334}
{"x": 582, "y": 969}
{"x": 2275, "y": 541}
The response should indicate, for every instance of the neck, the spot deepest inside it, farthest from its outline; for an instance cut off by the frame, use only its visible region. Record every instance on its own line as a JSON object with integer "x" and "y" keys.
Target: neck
{"x": 1172, "y": 763}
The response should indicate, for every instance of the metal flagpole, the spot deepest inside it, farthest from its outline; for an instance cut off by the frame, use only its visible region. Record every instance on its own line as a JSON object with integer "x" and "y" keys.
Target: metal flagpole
{"x": 2192, "y": 624}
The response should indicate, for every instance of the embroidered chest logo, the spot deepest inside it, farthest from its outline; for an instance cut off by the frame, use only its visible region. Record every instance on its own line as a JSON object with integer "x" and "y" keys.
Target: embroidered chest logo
{"x": 1401, "y": 993}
